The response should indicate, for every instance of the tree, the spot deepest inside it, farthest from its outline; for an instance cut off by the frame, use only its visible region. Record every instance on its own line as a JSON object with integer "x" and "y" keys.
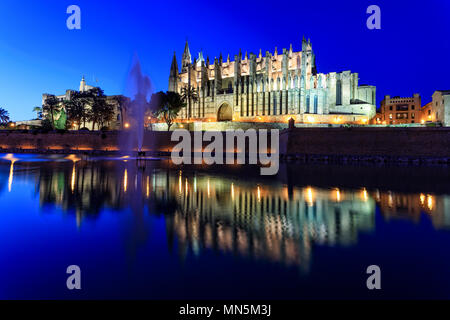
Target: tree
{"x": 4, "y": 116}
{"x": 38, "y": 111}
{"x": 167, "y": 106}
{"x": 49, "y": 107}
{"x": 188, "y": 94}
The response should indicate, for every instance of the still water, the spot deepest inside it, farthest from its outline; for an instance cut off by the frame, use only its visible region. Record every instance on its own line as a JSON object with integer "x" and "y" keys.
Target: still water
{"x": 146, "y": 229}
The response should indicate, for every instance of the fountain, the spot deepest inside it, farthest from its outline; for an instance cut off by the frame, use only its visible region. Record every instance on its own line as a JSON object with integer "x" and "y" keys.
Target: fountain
{"x": 139, "y": 89}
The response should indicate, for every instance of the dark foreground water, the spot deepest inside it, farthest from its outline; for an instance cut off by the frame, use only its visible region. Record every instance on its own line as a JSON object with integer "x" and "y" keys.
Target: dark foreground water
{"x": 149, "y": 230}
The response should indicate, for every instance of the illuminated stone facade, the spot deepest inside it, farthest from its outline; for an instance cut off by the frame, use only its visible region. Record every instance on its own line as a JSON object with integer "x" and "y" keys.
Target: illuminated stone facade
{"x": 270, "y": 88}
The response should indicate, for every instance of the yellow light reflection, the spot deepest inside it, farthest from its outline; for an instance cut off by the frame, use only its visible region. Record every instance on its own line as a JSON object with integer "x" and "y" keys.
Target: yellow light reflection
{"x": 179, "y": 184}
{"x": 430, "y": 202}
{"x": 365, "y": 196}
{"x": 125, "y": 180}
{"x": 309, "y": 195}
{"x": 11, "y": 158}
{"x": 259, "y": 194}
{"x": 232, "y": 191}
{"x": 195, "y": 184}
{"x": 11, "y": 175}
{"x": 209, "y": 189}
{"x": 72, "y": 181}
{"x": 148, "y": 186}
{"x": 338, "y": 195}
{"x": 186, "y": 187}
{"x": 422, "y": 199}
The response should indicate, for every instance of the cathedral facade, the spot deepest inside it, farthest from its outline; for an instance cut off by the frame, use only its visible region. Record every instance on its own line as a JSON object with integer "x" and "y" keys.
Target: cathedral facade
{"x": 270, "y": 88}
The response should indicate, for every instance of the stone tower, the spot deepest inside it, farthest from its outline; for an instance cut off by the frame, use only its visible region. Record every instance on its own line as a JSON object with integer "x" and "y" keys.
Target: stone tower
{"x": 186, "y": 59}
{"x": 173, "y": 77}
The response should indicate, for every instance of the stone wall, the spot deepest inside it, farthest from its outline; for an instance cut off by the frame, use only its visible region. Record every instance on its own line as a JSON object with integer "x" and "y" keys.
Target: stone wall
{"x": 368, "y": 141}
{"x": 355, "y": 141}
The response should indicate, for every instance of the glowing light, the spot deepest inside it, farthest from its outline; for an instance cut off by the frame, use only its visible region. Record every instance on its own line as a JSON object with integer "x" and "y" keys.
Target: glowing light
{"x": 209, "y": 189}
{"x": 125, "y": 180}
{"x": 11, "y": 158}
{"x": 195, "y": 184}
{"x": 72, "y": 182}
{"x": 11, "y": 175}
{"x": 148, "y": 186}
{"x": 180, "y": 183}
{"x": 309, "y": 196}
{"x": 422, "y": 199}
{"x": 365, "y": 196}
{"x": 430, "y": 202}
{"x": 422, "y": 121}
{"x": 310, "y": 119}
{"x": 259, "y": 194}
{"x": 337, "y": 119}
{"x": 186, "y": 185}
{"x": 338, "y": 195}
{"x": 364, "y": 120}
{"x": 127, "y": 125}
{"x": 232, "y": 191}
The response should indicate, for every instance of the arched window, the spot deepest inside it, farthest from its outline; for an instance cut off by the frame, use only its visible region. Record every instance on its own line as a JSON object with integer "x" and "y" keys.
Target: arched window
{"x": 315, "y": 104}
{"x": 338, "y": 93}
{"x": 307, "y": 103}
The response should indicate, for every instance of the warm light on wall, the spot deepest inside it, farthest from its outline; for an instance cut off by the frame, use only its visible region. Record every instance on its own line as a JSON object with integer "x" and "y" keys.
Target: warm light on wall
{"x": 422, "y": 199}
{"x": 364, "y": 194}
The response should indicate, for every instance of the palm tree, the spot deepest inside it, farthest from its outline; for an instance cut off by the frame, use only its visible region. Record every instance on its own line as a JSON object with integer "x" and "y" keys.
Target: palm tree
{"x": 4, "y": 116}
{"x": 50, "y": 106}
{"x": 188, "y": 94}
{"x": 38, "y": 111}
{"x": 168, "y": 105}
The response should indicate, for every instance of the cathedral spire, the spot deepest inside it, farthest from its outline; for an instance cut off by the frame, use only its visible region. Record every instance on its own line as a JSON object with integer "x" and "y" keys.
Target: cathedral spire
{"x": 173, "y": 77}
{"x": 187, "y": 59}
{"x": 174, "y": 66}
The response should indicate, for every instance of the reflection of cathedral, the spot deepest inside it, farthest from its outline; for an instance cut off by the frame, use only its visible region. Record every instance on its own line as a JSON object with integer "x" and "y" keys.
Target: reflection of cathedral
{"x": 271, "y": 88}
{"x": 269, "y": 221}
{"x": 263, "y": 221}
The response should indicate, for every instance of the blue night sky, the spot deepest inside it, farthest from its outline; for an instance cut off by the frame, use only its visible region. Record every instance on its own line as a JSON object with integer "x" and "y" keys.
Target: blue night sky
{"x": 39, "y": 54}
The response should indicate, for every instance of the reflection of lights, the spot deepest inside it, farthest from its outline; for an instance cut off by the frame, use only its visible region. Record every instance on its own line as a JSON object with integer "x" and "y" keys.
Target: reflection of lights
{"x": 430, "y": 202}
{"x": 11, "y": 158}
{"x": 72, "y": 182}
{"x": 186, "y": 186}
{"x": 390, "y": 200}
{"x": 125, "y": 180}
{"x": 309, "y": 196}
{"x": 11, "y": 174}
{"x": 209, "y": 189}
{"x": 195, "y": 184}
{"x": 179, "y": 183}
{"x": 259, "y": 194}
{"x": 148, "y": 186}
{"x": 364, "y": 195}
{"x": 338, "y": 195}
{"x": 422, "y": 199}
{"x": 232, "y": 191}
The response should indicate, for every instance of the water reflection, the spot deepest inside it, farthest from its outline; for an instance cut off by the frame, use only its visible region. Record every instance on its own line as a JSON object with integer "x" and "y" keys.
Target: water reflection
{"x": 271, "y": 220}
